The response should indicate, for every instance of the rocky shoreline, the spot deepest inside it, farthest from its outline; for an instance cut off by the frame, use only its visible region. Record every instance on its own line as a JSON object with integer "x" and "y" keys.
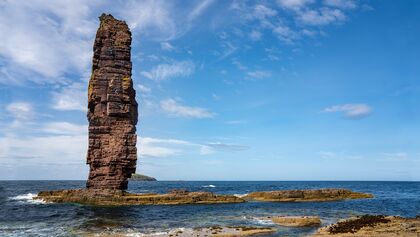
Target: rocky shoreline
{"x": 374, "y": 226}
{"x": 176, "y": 197}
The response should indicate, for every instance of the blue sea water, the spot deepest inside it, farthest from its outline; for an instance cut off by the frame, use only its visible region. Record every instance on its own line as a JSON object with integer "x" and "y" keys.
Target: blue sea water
{"x": 21, "y": 216}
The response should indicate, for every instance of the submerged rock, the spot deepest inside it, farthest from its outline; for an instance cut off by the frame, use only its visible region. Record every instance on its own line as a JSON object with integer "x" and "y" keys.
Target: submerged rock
{"x": 310, "y": 195}
{"x": 374, "y": 226}
{"x": 118, "y": 198}
{"x": 295, "y": 221}
{"x": 112, "y": 108}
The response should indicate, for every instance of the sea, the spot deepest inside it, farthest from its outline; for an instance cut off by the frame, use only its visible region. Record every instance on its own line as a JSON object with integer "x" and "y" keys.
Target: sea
{"x": 20, "y": 215}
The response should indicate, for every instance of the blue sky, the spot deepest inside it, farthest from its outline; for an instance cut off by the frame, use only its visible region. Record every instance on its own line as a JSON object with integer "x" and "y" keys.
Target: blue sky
{"x": 227, "y": 90}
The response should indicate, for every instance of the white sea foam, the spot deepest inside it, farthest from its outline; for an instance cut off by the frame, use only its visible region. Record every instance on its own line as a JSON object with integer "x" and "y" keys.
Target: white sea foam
{"x": 262, "y": 221}
{"x": 27, "y": 198}
{"x": 208, "y": 186}
{"x": 240, "y": 195}
{"x": 172, "y": 232}
{"x": 257, "y": 220}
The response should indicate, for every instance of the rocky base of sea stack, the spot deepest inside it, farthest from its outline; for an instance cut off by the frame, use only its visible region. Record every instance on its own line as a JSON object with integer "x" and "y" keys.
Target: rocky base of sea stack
{"x": 118, "y": 198}
{"x": 310, "y": 195}
{"x": 174, "y": 197}
{"x": 373, "y": 226}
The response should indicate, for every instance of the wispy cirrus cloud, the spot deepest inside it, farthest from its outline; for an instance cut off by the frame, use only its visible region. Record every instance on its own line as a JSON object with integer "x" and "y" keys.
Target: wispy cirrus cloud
{"x": 220, "y": 146}
{"x": 350, "y": 110}
{"x": 174, "y": 108}
{"x": 167, "y": 46}
{"x": 166, "y": 71}
{"x": 60, "y": 39}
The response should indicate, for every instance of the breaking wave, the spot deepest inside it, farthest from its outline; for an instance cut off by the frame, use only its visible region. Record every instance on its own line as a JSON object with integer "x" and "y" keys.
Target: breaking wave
{"x": 208, "y": 186}
{"x": 240, "y": 195}
{"x": 27, "y": 198}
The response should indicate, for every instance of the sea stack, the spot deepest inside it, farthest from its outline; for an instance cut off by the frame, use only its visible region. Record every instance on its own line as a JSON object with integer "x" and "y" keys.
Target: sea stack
{"x": 112, "y": 108}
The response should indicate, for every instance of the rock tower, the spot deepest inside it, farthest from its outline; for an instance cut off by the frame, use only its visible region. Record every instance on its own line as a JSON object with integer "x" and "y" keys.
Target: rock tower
{"x": 112, "y": 108}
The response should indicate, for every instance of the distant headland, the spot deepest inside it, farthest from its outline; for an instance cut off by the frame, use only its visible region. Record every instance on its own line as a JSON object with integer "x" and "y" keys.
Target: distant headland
{"x": 141, "y": 177}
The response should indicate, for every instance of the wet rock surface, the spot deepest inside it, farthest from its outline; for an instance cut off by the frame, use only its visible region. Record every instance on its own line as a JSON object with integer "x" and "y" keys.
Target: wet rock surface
{"x": 310, "y": 195}
{"x": 112, "y": 108}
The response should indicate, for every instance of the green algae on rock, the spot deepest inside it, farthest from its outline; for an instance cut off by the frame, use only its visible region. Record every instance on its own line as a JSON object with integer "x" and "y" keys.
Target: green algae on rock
{"x": 310, "y": 195}
{"x": 120, "y": 198}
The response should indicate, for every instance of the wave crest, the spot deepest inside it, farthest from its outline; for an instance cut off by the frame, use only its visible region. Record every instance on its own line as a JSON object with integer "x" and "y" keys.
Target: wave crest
{"x": 27, "y": 198}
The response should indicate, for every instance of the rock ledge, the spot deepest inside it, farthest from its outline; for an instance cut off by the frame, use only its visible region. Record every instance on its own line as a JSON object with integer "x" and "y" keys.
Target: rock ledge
{"x": 310, "y": 195}
{"x": 119, "y": 198}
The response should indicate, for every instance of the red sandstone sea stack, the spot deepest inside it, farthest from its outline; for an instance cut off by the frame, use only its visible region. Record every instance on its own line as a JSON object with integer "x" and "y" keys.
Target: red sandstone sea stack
{"x": 112, "y": 108}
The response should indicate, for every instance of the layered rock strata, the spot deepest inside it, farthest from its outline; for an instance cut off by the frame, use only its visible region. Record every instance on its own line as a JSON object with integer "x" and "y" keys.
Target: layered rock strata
{"x": 310, "y": 195}
{"x": 118, "y": 198}
{"x": 112, "y": 108}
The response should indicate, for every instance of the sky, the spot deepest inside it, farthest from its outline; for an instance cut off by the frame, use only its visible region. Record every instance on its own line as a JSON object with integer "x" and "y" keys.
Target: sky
{"x": 227, "y": 90}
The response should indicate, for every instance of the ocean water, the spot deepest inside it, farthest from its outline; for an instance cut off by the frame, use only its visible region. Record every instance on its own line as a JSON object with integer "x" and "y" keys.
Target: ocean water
{"x": 21, "y": 216}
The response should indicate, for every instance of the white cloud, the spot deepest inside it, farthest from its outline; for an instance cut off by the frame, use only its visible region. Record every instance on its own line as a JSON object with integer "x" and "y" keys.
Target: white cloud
{"x": 166, "y": 71}
{"x": 154, "y": 147}
{"x": 321, "y": 17}
{"x": 166, "y": 46}
{"x": 258, "y": 74}
{"x": 73, "y": 97}
{"x": 285, "y": 34}
{"x": 144, "y": 89}
{"x": 151, "y": 18}
{"x": 255, "y": 35}
{"x": 48, "y": 38}
{"x": 351, "y": 110}
{"x": 345, "y": 4}
{"x": 262, "y": 12}
{"x": 294, "y": 4}
{"x": 161, "y": 20}
{"x": 65, "y": 128}
{"x": 20, "y": 110}
{"x": 52, "y": 149}
{"x": 239, "y": 65}
{"x": 199, "y": 9}
{"x": 174, "y": 108}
